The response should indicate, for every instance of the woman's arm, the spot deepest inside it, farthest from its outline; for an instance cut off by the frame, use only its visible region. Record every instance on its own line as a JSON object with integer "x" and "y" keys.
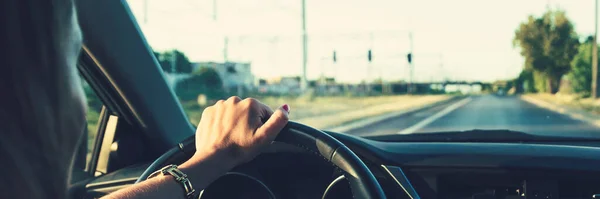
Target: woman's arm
{"x": 230, "y": 133}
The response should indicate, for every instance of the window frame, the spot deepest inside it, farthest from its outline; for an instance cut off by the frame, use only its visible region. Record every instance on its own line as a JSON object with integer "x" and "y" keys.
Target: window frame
{"x": 91, "y": 73}
{"x": 113, "y": 106}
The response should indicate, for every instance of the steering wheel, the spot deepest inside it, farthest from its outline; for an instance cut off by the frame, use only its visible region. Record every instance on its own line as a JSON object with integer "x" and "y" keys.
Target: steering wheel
{"x": 362, "y": 181}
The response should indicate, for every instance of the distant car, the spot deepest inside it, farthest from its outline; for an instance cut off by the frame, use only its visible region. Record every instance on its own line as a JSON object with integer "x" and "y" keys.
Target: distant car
{"x": 500, "y": 93}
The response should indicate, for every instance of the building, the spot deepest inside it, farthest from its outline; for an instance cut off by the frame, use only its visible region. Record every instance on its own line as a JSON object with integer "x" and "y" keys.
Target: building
{"x": 327, "y": 85}
{"x": 235, "y": 76}
{"x": 281, "y": 85}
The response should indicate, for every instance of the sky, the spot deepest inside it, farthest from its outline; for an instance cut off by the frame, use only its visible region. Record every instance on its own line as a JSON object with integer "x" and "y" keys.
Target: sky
{"x": 468, "y": 40}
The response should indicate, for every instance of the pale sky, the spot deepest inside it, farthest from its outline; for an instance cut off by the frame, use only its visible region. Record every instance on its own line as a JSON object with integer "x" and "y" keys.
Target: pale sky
{"x": 452, "y": 39}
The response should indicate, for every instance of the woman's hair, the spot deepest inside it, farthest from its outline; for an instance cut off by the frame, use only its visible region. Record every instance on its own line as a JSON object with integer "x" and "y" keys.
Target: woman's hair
{"x": 41, "y": 105}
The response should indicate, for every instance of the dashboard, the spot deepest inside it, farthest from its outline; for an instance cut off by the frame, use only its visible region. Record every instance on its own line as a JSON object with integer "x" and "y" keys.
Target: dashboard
{"x": 466, "y": 183}
{"x": 445, "y": 170}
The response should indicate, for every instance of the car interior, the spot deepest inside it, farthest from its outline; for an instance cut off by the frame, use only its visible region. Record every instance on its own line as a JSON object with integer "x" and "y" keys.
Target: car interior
{"x": 142, "y": 127}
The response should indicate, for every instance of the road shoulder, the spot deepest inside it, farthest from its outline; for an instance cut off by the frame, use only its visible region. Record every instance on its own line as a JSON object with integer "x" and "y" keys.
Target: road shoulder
{"x": 574, "y": 113}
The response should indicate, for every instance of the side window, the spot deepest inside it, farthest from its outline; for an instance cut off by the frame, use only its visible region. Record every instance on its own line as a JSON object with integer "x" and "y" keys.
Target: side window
{"x": 94, "y": 107}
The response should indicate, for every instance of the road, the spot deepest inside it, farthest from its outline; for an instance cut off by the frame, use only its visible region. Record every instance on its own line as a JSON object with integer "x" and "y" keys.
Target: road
{"x": 483, "y": 112}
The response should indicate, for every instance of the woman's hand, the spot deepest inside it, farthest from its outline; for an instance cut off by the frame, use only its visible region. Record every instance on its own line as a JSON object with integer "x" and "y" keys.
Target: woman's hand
{"x": 235, "y": 131}
{"x": 230, "y": 132}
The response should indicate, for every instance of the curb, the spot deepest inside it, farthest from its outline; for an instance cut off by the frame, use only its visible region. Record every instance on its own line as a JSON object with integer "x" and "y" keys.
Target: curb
{"x": 574, "y": 114}
{"x": 368, "y": 121}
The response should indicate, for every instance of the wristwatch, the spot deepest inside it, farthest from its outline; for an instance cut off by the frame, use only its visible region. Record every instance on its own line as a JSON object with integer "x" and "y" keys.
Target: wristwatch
{"x": 179, "y": 177}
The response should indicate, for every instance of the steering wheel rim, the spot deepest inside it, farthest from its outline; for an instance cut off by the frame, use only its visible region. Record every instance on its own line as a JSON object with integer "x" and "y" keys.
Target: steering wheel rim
{"x": 362, "y": 181}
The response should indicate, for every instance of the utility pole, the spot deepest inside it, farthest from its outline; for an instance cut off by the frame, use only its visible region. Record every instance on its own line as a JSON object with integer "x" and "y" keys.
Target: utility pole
{"x": 304, "y": 83}
{"x": 225, "y": 49}
{"x": 383, "y": 90}
{"x": 214, "y": 10}
{"x": 595, "y": 54}
{"x": 145, "y": 11}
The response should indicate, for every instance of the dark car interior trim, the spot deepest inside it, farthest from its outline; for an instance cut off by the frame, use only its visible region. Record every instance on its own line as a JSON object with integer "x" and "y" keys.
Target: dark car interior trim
{"x": 398, "y": 175}
{"x": 126, "y": 59}
{"x": 264, "y": 188}
{"x": 330, "y": 189}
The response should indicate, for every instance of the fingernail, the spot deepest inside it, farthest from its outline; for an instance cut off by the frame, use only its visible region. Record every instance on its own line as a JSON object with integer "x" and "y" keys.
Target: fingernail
{"x": 286, "y": 108}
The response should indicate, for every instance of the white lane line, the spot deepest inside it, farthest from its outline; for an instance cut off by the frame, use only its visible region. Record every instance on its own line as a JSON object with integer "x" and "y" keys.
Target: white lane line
{"x": 434, "y": 117}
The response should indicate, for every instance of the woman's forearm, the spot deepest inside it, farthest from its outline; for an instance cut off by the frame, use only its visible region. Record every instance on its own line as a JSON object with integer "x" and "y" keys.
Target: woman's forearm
{"x": 201, "y": 172}
{"x": 230, "y": 133}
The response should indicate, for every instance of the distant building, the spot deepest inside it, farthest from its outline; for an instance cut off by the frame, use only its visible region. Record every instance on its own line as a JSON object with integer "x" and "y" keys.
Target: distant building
{"x": 327, "y": 85}
{"x": 280, "y": 85}
{"x": 234, "y": 75}
{"x": 329, "y": 81}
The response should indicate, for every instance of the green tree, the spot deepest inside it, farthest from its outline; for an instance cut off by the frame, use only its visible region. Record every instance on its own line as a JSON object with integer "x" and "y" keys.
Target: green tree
{"x": 524, "y": 83}
{"x": 204, "y": 81}
{"x": 174, "y": 61}
{"x": 164, "y": 65}
{"x": 581, "y": 68}
{"x": 548, "y": 44}
{"x": 182, "y": 63}
{"x": 540, "y": 82}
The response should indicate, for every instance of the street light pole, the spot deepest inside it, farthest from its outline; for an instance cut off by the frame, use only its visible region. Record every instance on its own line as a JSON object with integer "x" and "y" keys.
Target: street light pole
{"x": 595, "y": 54}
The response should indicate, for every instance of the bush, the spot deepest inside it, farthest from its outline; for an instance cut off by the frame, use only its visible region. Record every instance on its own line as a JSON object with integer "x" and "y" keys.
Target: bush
{"x": 581, "y": 69}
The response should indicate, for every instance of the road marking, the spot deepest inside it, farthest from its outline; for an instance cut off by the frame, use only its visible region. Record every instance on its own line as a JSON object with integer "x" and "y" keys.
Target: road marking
{"x": 434, "y": 117}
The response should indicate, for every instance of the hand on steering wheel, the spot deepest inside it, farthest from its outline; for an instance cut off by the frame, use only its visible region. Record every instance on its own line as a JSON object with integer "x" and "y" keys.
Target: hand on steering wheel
{"x": 233, "y": 130}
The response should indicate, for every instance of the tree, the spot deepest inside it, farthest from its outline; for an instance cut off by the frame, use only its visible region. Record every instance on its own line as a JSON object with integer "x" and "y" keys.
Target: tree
{"x": 204, "y": 81}
{"x": 164, "y": 65}
{"x": 182, "y": 63}
{"x": 548, "y": 44}
{"x": 524, "y": 83}
{"x": 174, "y": 61}
{"x": 581, "y": 69}
{"x": 209, "y": 77}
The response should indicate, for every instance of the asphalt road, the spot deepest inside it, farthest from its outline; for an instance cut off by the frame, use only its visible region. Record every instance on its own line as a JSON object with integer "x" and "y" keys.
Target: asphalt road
{"x": 483, "y": 112}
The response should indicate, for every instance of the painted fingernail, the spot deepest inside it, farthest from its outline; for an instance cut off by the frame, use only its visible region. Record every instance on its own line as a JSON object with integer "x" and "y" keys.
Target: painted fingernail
{"x": 286, "y": 107}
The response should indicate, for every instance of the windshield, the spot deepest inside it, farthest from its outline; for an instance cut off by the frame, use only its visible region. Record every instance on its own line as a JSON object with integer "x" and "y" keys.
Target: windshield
{"x": 386, "y": 67}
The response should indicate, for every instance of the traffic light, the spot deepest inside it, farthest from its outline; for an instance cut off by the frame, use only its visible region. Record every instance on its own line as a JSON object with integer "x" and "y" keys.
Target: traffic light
{"x": 334, "y": 57}
{"x": 369, "y": 55}
{"x": 409, "y": 57}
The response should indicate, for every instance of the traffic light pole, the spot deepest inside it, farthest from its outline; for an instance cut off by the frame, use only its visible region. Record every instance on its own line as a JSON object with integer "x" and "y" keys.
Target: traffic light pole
{"x": 369, "y": 66}
{"x": 410, "y": 65}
